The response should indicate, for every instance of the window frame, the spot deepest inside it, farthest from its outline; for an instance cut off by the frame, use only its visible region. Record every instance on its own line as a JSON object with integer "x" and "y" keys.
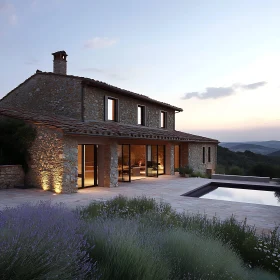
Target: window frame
{"x": 203, "y": 155}
{"x": 143, "y": 115}
{"x": 106, "y": 108}
{"x": 209, "y": 154}
{"x": 164, "y": 125}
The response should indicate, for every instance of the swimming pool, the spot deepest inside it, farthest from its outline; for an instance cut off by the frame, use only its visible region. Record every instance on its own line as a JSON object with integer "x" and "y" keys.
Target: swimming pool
{"x": 240, "y": 193}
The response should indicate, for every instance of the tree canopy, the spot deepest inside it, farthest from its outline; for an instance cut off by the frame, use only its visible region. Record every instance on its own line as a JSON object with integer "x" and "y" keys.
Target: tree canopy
{"x": 16, "y": 138}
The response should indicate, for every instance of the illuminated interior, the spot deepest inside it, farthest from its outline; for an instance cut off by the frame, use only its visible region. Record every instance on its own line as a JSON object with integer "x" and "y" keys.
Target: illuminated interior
{"x": 111, "y": 109}
{"x": 139, "y": 161}
{"x": 87, "y": 166}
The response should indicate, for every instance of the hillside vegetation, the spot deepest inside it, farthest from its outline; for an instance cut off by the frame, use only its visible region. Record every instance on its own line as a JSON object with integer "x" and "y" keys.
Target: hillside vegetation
{"x": 247, "y": 163}
{"x": 275, "y": 154}
{"x": 262, "y": 147}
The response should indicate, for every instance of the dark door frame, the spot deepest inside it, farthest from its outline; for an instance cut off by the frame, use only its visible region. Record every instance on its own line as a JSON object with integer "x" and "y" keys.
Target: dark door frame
{"x": 129, "y": 163}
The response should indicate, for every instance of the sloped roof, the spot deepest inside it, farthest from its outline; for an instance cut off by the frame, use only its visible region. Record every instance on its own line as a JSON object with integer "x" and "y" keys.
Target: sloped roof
{"x": 108, "y": 129}
{"x": 105, "y": 86}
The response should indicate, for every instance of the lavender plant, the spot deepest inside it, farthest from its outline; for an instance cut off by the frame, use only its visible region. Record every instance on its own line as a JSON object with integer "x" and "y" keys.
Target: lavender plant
{"x": 127, "y": 248}
{"x": 241, "y": 237}
{"x": 121, "y": 250}
{"x": 43, "y": 241}
{"x": 205, "y": 258}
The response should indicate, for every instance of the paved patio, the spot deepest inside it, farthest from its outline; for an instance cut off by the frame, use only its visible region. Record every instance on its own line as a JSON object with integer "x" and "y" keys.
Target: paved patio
{"x": 166, "y": 188}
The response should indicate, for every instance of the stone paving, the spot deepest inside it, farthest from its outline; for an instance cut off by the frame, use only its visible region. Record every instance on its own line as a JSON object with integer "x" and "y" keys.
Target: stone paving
{"x": 166, "y": 188}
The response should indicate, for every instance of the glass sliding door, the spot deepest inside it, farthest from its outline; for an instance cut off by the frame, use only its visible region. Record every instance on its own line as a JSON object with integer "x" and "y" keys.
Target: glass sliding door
{"x": 80, "y": 166}
{"x": 152, "y": 160}
{"x": 155, "y": 160}
{"x": 87, "y": 166}
{"x": 124, "y": 165}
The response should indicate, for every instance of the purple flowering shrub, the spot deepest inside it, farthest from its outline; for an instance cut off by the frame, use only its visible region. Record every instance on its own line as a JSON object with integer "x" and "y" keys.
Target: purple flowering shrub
{"x": 127, "y": 248}
{"x": 43, "y": 241}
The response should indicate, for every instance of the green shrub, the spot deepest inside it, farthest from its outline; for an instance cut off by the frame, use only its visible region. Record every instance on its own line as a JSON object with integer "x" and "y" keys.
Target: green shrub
{"x": 121, "y": 250}
{"x": 220, "y": 169}
{"x": 264, "y": 170}
{"x": 198, "y": 174}
{"x": 202, "y": 258}
{"x": 242, "y": 238}
{"x": 185, "y": 170}
{"x": 122, "y": 206}
{"x": 127, "y": 248}
{"x": 235, "y": 170}
{"x": 16, "y": 138}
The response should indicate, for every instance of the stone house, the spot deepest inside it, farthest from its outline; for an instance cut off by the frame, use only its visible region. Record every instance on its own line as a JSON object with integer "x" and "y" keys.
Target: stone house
{"x": 90, "y": 133}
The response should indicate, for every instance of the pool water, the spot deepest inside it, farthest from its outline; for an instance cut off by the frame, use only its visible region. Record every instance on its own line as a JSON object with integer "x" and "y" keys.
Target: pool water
{"x": 245, "y": 195}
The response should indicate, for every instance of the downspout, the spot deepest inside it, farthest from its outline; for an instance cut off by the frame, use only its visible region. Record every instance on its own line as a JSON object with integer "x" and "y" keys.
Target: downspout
{"x": 82, "y": 102}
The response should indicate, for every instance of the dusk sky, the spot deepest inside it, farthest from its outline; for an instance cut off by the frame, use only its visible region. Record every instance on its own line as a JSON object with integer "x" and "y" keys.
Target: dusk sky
{"x": 218, "y": 60}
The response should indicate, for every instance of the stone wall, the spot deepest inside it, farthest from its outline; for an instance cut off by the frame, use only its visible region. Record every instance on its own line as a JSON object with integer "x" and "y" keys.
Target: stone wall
{"x": 184, "y": 154}
{"x": 94, "y": 108}
{"x": 62, "y": 95}
{"x": 70, "y": 165}
{"x": 195, "y": 157}
{"x": 53, "y": 164}
{"x": 47, "y": 93}
{"x": 10, "y": 176}
{"x": 108, "y": 165}
{"x": 169, "y": 159}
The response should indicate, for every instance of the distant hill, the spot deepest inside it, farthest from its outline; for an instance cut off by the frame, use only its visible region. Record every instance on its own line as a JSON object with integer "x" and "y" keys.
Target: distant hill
{"x": 274, "y": 154}
{"x": 228, "y": 145}
{"x": 247, "y": 163}
{"x": 270, "y": 144}
{"x": 254, "y": 148}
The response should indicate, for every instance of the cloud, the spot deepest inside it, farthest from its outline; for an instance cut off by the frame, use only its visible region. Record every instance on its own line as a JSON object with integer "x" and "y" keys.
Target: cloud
{"x": 253, "y": 86}
{"x": 107, "y": 73}
{"x": 219, "y": 92}
{"x": 99, "y": 43}
{"x": 8, "y": 10}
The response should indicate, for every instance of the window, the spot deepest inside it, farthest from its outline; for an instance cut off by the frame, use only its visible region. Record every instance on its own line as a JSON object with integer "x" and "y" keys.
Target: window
{"x": 203, "y": 154}
{"x": 111, "y": 109}
{"x": 141, "y": 115}
{"x": 163, "y": 119}
{"x": 209, "y": 154}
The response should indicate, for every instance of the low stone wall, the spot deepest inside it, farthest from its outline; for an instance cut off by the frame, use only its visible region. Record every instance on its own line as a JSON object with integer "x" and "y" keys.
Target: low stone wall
{"x": 277, "y": 180}
{"x": 10, "y": 176}
{"x": 241, "y": 178}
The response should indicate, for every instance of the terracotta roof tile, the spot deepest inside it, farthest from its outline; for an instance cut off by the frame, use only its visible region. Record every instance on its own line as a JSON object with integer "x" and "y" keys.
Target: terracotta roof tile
{"x": 108, "y": 129}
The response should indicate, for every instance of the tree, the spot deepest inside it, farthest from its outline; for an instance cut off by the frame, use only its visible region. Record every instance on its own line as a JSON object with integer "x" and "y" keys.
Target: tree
{"x": 15, "y": 141}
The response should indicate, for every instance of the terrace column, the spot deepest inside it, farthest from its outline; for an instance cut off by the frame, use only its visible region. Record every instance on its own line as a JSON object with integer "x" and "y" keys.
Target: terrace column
{"x": 169, "y": 159}
{"x": 108, "y": 165}
{"x": 184, "y": 154}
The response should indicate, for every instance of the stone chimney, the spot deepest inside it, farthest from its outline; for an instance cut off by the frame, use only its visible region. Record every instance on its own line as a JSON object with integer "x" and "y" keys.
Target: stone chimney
{"x": 60, "y": 62}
